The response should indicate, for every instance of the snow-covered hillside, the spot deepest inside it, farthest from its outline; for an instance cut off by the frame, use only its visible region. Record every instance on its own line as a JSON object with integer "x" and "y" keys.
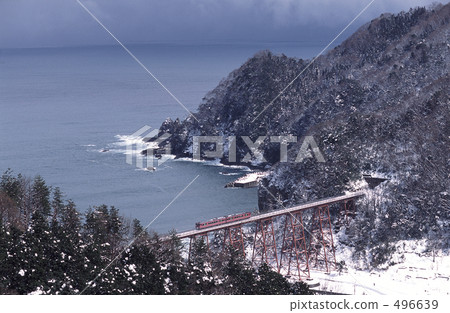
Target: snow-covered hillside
{"x": 376, "y": 104}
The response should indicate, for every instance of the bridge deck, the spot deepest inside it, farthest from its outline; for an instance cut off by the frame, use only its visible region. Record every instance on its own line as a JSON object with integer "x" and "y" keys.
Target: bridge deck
{"x": 254, "y": 218}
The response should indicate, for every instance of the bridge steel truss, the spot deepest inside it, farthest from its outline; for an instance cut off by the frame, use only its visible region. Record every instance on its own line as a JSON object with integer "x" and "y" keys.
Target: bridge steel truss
{"x": 235, "y": 237}
{"x": 294, "y": 254}
{"x": 321, "y": 249}
{"x": 265, "y": 244}
{"x": 300, "y": 248}
{"x": 348, "y": 209}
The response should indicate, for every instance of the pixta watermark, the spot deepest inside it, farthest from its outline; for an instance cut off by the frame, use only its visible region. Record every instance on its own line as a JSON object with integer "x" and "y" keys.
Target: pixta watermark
{"x": 149, "y": 153}
{"x": 308, "y": 145}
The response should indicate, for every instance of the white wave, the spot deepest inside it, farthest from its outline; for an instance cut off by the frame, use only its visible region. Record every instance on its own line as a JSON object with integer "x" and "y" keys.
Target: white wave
{"x": 117, "y": 151}
{"x": 170, "y": 156}
{"x": 148, "y": 169}
{"x": 129, "y": 145}
{"x": 239, "y": 167}
{"x": 127, "y": 140}
{"x": 190, "y": 160}
{"x": 229, "y": 174}
{"x": 215, "y": 162}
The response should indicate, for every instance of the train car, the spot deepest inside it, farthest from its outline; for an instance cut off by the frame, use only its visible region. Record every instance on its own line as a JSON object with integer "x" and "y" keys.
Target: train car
{"x": 223, "y": 220}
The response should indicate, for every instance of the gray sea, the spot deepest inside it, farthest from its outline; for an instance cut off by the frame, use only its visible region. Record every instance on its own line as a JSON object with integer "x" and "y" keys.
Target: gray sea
{"x": 68, "y": 113}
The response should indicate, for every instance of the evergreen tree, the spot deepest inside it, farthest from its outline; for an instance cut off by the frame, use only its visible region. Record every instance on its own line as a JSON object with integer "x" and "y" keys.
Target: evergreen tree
{"x": 300, "y": 288}
{"x": 117, "y": 232}
{"x": 96, "y": 247}
{"x": 58, "y": 254}
{"x": 57, "y": 204}
{"x": 38, "y": 259}
{"x": 11, "y": 186}
{"x": 11, "y": 199}
{"x": 201, "y": 280}
{"x": 9, "y": 212}
{"x": 105, "y": 230}
{"x": 176, "y": 281}
{"x": 143, "y": 271}
{"x": 66, "y": 227}
{"x": 270, "y": 282}
{"x": 140, "y": 235}
{"x": 238, "y": 275}
{"x": 12, "y": 260}
{"x": 40, "y": 196}
{"x": 4, "y": 240}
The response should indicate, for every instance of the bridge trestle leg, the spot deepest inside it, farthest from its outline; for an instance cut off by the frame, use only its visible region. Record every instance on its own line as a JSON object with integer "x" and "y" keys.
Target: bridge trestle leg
{"x": 237, "y": 238}
{"x": 321, "y": 246}
{"x": 264, "y": 247}
{"x": 349, "y": 210}
{"x": 293, "y": 248}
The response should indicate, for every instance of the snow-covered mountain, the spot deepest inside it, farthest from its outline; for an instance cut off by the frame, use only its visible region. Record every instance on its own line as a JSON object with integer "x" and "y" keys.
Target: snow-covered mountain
{"x": 377, "y": 104}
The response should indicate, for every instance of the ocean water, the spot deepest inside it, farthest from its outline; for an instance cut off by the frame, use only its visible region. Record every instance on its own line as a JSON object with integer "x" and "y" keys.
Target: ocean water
{"x": 61, "y": 107}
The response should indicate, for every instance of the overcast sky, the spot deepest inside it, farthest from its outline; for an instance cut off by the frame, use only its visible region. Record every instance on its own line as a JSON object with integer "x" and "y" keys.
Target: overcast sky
{"x": 43, "y": 23}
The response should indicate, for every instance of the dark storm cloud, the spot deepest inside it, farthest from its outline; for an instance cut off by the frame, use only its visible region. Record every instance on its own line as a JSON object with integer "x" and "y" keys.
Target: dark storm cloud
{"x": 34, "y": 23}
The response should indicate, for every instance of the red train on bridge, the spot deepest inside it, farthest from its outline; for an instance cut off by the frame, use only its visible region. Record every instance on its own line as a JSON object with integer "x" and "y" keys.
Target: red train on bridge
{"x": 223, "y": 220}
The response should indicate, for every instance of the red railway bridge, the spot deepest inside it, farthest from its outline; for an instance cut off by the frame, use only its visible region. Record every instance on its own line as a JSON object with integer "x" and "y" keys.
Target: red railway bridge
{"x": 300, "y": 248}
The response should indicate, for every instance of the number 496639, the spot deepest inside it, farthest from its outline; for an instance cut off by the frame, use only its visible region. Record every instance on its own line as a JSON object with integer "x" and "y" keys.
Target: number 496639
{"x": 416, "y": 304}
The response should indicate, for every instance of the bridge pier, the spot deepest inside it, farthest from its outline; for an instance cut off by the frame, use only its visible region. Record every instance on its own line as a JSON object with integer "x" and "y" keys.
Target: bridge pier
{"x": 349, "y": 209}
{"x": 321, "y": 248}
{"x": 264, "y": 246}
{"x": 293, "y": 248}
{"x": 235, "y": 237}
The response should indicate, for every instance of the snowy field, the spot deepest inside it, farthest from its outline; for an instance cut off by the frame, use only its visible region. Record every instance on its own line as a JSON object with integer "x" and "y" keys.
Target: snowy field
{"x": 417, "y": 273}
{"x": 413, "y": 270}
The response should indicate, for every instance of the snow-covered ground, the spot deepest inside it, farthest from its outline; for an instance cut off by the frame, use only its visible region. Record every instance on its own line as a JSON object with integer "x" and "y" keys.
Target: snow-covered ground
{"x": 413, "y": 269}
{"x": 418, "y": 272}
{"x": 250, "y": 177}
